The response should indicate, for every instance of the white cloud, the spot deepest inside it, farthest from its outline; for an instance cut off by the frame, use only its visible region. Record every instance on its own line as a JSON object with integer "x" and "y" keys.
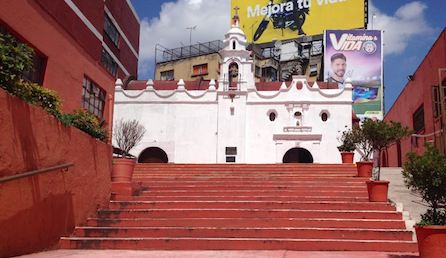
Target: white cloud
{"x": 212, "y": 21}
{"x": 211, "y": 18}
{"x": 400, "y": 28}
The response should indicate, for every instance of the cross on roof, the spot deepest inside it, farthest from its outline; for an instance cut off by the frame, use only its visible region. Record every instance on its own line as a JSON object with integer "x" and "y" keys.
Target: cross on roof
{"x": 236, "y": 9}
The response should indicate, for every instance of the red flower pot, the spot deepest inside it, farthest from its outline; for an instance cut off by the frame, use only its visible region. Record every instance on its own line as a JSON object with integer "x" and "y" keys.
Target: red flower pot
{"x": 364, "y": 168}
{"x": 377, "y": 190}
{"x": 122, "y": 170}
{"x": 431, "y": 241}
{"x": 347, "y": 157}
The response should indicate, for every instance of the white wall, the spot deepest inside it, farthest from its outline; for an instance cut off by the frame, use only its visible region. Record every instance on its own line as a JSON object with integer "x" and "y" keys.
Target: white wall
{"x": 197, "y": 126}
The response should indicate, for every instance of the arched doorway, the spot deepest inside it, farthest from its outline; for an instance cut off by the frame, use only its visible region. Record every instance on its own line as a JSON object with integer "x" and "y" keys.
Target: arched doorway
{"x": 153, "y": 155}
{"x": 297, "y": 155}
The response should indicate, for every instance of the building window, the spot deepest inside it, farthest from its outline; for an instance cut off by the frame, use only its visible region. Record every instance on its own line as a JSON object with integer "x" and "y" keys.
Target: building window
{"x": 111, "y": 30}
{"x": 269, "y": 72}
{"x": 436, "y": 103}
{"x": 109, "y": 63}
{"x": 418, "y": 120}
{"x": 258, "y": 72}
{"x": 167, "y": 75}
{"x": 200, "y": 69}
{"x": 272, "y": 116}
{"x": 34, "y": 75}
{"x": 93, "y": 98}
{"x": 313, "y": 70}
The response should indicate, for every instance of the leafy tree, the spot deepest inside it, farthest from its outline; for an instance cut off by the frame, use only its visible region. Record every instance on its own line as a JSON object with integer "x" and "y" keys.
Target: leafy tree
{"x": 426, "y": 174}
{"x": 377, "y": 135}
{"x": 348, "y": 141}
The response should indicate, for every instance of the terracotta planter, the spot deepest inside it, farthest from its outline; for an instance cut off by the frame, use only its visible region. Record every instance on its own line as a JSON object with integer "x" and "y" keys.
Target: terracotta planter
{"x": 122, "y": 170}
{"x": 377, "y": 190}
{"x": 431, "y": 241}
{"x": 347, "y": 157}
{"x": 364, "y": 168}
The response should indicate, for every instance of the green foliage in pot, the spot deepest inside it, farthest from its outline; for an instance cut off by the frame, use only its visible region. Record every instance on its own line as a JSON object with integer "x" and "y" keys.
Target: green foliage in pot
{"x": 377, "y": 135}
{"x": 426, "y": 174}
{"x": 348, "y": 141}
{"x": 127, "y": 134}
{"x": 362, "y": 143}
{"x": 15, "y": 58}
{"x": 87, "y": 122}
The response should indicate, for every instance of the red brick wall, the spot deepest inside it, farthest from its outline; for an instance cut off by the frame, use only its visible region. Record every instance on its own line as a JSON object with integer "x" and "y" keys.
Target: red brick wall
{"x": 416, "y": 93}
{"x": 37, "y": 210}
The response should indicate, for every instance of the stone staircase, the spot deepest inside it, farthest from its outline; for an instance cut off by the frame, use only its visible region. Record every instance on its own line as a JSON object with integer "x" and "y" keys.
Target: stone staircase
{"x": 246, "y": 207}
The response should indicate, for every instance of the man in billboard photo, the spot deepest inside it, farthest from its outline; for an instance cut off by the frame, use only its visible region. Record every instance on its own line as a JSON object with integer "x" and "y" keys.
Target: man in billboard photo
{"x": 338, "y": 66}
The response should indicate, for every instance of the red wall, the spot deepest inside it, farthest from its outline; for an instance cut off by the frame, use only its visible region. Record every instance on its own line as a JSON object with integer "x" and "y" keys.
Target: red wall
{"x": 37, "y": 210}
{"x": 67, "y": 61}
{"x": 416, "y": 93}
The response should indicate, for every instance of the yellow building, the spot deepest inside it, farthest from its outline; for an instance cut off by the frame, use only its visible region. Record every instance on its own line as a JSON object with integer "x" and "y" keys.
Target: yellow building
{"x": 203, "y": 60}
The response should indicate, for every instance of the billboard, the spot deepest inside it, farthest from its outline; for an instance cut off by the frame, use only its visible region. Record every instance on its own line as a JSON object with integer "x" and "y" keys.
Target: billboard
{"x": 265, "y": 20}
{"x": 358, "y": 55}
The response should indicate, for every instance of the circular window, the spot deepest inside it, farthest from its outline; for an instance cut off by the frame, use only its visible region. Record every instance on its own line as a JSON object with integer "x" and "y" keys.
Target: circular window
{"x": 272, "y": 116}
{"x": 324, "y": 117}
{"x": 297, "y": 113}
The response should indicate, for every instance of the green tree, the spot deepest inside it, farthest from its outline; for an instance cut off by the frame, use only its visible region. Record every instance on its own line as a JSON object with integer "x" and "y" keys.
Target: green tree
{"x": 426, "y": 174}
{"x": 377, "y": 135}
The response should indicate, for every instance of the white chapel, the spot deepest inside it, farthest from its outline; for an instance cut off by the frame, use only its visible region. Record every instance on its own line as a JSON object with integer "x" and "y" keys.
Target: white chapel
{"x": 232, "y": 120}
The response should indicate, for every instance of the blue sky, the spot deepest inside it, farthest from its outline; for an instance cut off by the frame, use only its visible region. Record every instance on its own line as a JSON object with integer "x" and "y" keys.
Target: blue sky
{"x": 410, "y": 29}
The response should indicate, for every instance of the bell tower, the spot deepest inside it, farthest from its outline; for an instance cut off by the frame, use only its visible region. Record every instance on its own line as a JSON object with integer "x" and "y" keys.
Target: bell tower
{"x": 237, "y": 65}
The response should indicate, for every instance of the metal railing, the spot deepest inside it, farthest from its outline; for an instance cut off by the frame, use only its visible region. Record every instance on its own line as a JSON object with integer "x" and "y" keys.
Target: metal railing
{"x": 35, "y": 172}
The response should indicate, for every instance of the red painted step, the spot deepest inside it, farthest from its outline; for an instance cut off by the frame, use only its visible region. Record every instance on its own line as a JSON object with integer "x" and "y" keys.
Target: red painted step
{"x": 242, "y": 222}
{"x": 242, "y": 232}
{"x": 175, "y": 243}
{"x": 246, "y": 206}
{"x": 321, "y": 205}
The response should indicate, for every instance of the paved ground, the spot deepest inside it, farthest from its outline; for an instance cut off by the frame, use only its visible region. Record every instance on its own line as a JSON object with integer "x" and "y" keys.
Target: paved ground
{"x": 398, "y": 193}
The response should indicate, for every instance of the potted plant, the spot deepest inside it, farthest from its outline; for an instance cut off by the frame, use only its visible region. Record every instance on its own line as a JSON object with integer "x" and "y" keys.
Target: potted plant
{"x": 426, "y": 174}
{"x": 363, "y": 144}
{"x": 126, "y": 135}
{"x": 376, "y": 136}
{"x": 347, "y": 147}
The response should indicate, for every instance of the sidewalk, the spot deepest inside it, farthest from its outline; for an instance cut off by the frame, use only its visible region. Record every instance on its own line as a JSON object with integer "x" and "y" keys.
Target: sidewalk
{"x": 398, "y": 193}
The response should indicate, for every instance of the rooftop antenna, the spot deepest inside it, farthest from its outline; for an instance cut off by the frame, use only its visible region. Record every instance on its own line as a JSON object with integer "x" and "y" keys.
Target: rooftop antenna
{"x": 191, "y": 28}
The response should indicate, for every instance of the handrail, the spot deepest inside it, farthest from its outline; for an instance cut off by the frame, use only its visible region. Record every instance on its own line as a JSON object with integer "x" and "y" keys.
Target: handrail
{"x": 34, "y": 172}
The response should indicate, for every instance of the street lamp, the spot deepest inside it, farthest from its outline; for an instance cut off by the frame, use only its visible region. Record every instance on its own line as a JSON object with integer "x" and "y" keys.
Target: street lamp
{"x": 373, "y": 18}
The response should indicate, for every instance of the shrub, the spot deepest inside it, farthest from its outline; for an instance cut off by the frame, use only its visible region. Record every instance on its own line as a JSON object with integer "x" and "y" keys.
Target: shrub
{"x": 14, "y": 58}
{"x": 426, "y": 174}
{"x": 86, "y": 121}
{"x": 348, "y": 141}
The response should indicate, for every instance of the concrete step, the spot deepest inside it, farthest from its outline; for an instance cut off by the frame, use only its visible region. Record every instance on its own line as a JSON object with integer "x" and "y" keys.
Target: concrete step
{"x": 246, "y": 232}
{"x": 228, "y": 192}
{"x": 204, "y": 188}
{"x": 247, "y": 213}
{"x": 213, "y": 204}
{"x": 176, "y": 243}
{"x": 239, "y": 183}
{"x": 283, "y": 198}
{"x": 312, "y": 207}
{"x": 253, "y": 222}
